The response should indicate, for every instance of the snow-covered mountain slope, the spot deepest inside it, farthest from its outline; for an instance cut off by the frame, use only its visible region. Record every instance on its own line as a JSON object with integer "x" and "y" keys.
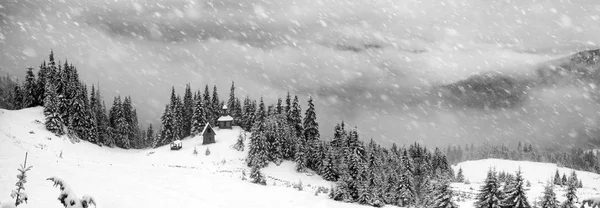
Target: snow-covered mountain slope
{"x": 536, "y": 173}
{"x": 144, "y": 178}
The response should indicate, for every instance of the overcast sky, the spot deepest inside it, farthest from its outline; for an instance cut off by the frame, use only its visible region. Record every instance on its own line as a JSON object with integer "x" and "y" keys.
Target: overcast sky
{"x": 366, "y": 61}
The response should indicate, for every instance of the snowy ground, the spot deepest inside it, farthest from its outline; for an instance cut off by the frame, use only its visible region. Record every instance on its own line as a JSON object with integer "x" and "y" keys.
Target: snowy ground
{"x": 164, "y": 178}
{"x": 536, "y": 173}
{"x": 144, "y": 178}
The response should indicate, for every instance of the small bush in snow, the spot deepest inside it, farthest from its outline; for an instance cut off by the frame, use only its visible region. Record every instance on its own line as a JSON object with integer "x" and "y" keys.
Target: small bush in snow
{"x": 239, "y": 145}
{"x": 195, "y": 151}
{"x": 299, "y": 185}
{"x": 207, "y": 153}
{"x": 19, "y": 194}
{"x": 243, "y": 175}
{"x": 60, "y": 155}
{"x": 321, "y": 189}
{"x": 257, "y": 177}
{"x": 68, "y": 198}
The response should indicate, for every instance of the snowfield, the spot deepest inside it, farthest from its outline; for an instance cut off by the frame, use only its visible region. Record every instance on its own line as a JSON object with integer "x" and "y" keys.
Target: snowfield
{"x": 164, "y": 178}
{"x": 144, "y": 178}
{"x": 534, "y": 172}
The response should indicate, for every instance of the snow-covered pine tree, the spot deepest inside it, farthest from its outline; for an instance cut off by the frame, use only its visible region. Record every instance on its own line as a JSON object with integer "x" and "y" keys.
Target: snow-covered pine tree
{"x": 557, "y": 180}
{"x": 199, "y": 117}
{"x": 261, "y": 113}
{"x": 278, "y": 106}
{"x": 549, "y": 198}
{"x": 516, "y": 196}
{"x": 571, "y": 195}
{"x": 188, "y": 111}
{"x": 166, "y": 134}
{"x": 327, "y": 168}
{"x": 216, "y": 103}
{"x": 460, "y": 178}
{"x": 149, "y": 136}
{"x": 258, "y": 148}
{"x": 231, "y": 100}
{"x": 19, "y": 194}
{"x": 68, "y": 198}
{"x": 29, "y": 89}
{"x": 248, "y": 115}
{"x": 210, "y": 114}
{"x": 257, "y": 177}
{"x": 288, "y": 104}
{"x": 564, "y": 181}
{"x": 177, "y": 110}
{"x": 489, "y": 195}
{"x": 443, "y": 198}
{"x": 40, "y": 85}
{"x": 53, "y": 121}
{"x": 311, "y": 134}
{"x": 295, "y": 119}
{"x": 239, "y": 144}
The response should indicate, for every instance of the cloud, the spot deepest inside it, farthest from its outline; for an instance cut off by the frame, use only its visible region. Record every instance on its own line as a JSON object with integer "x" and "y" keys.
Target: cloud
{"x": 372, "y": 63}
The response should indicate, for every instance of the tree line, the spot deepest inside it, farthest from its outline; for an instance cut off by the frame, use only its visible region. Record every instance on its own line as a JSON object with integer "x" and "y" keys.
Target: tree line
{"x": 70, "y": 109}
{"x": 364, "y": 173}
{"x": 575, "y": 158}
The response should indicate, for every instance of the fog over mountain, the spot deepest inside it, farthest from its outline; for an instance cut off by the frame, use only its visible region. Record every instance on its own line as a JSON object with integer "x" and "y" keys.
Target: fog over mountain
{"x": 432, "y": 71}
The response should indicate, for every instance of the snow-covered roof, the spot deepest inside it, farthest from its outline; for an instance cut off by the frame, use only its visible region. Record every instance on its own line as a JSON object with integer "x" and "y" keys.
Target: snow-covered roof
{"x": 224, "y": 107}
{"x": 225, "y": 118}
{"x": 205, "y": 127}
{"x": 177, "y": 142}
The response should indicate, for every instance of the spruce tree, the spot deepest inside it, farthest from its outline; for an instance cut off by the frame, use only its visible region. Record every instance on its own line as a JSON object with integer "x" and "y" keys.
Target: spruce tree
{"x": 311, "y": 127}
{"x": 489, "y": 195}
{"x": 460, "y": 178}
{"x": 231, "y": 100}
{"x": 557, "y": 180}
{"x": 571, "y": 195}
{"x": 167, "y": 134}
{"x": 443, "y": 198}
{"x": 188, "y": 111}
{"x": 258, "y": 148}
{"x": 19, "y": 193}
{"x": 516, "y": 196}
{"x": 29, "y": 92}
{"x": 295, "y": 119}
{"x": 149, "y": 136}
{"x": 278, "y": 107}
{"x": 210, "y": 114}
{"x": 216, "y": 103}
{"x": 549, "y": 198}
{"x": 40, "y": 85}
{"x": 257, "y": 177}
{"x": 199, "y": 117}
{"x": 53, "y": 121}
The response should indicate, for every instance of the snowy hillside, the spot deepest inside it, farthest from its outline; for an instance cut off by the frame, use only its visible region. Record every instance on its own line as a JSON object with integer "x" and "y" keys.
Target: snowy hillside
{"x": 144, "y": 178}
{"x": 164, "y": 178}
{"x": 536, "y": 173}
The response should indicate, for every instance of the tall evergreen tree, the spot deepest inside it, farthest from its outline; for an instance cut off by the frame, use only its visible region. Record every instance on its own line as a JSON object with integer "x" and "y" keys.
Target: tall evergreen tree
{"x": 231, "y": 100}
{"x": 443, "y": 197}
{"x": 295, "y": 119}
{"x": 199, "y": 117}
{"x": 150, "y": 136}
{"x": 516, "y": 196}
{"x": 549, "y": 198}
{"x": 216, "y": 104}
{"x": 571, "y": 195}
{"x": 30, "y": 95}
{"x": 167, "y": 133}
{"x": 53, "y": 121}
{"x": 489, "y": 195}
{"x": 210, "y": 114}
{"x": 557, "y": 180}
{"x": 460, "y": 178}
{"x": 188, "y": 111}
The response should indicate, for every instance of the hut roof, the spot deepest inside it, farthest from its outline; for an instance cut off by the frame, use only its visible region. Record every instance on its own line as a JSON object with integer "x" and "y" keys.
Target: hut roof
{"x": 225, "y": 118}
{"x": 206, "y": 127}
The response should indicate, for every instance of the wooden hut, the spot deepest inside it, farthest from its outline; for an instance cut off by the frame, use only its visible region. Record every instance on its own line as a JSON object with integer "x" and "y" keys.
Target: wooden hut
{"x": 208, "y": 134}
{"x": 225, "y": 121}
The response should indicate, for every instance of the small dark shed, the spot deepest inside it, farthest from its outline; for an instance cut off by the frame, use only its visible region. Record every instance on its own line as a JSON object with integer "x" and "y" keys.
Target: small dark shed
{"x": 208, "y": 134}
